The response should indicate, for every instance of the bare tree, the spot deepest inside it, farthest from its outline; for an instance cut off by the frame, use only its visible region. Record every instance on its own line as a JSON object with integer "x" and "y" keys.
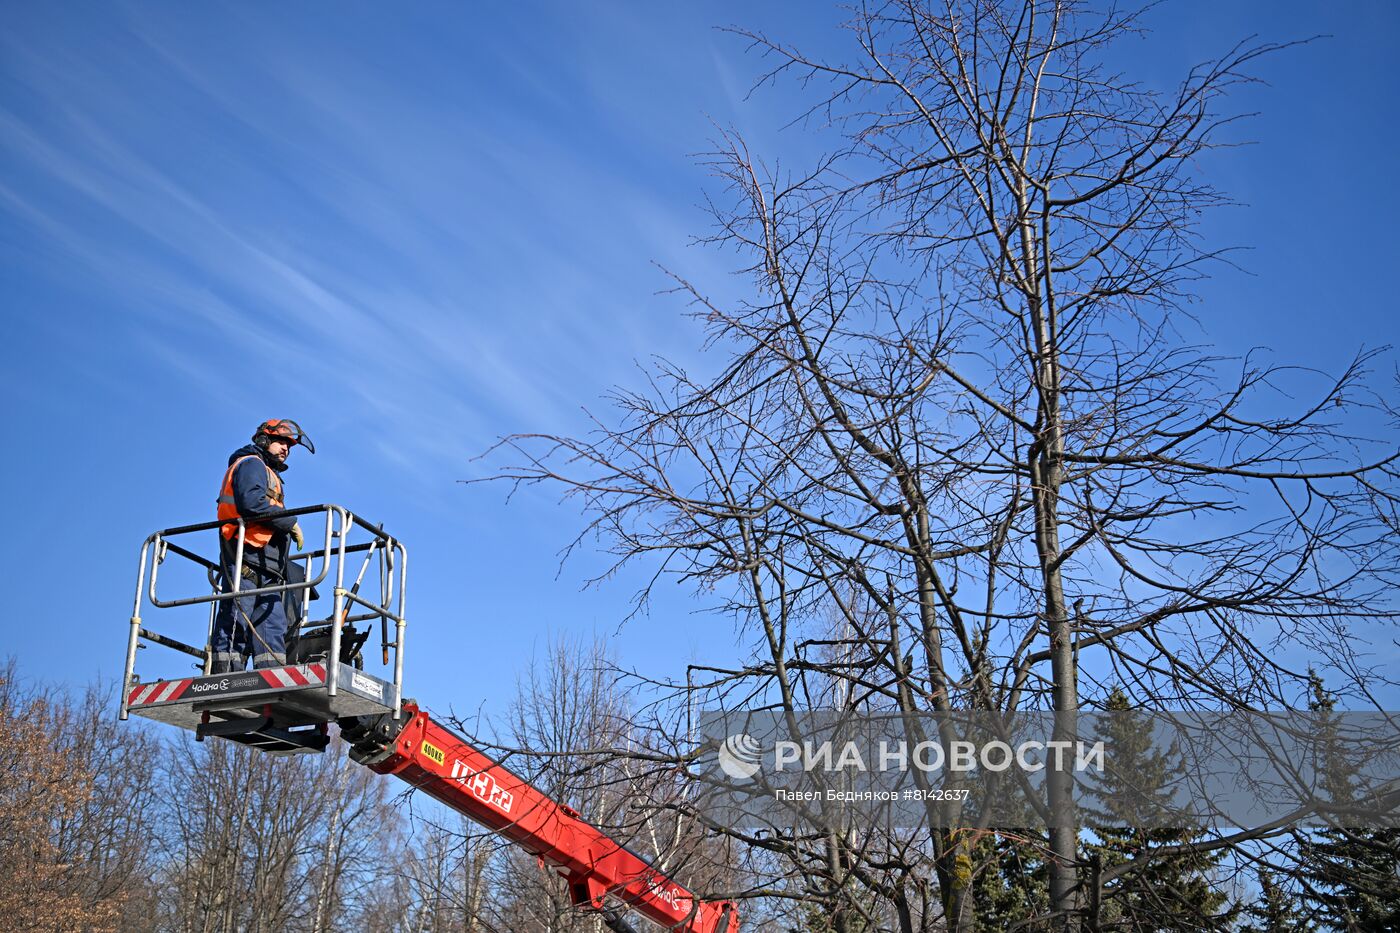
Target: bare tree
{"x": 260, "y": 843}
{"x": 107, "y": 838}
{"x": 573, "y": 710}
{"x": 76, "y": 810}
{"x": 958, "y": 410}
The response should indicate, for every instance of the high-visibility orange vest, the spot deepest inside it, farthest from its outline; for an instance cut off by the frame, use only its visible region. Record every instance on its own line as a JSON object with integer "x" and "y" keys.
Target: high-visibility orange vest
{"x": 255, "y": 534}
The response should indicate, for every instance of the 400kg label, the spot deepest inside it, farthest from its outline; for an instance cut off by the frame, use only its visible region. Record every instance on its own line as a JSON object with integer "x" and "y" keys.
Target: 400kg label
{"x": 432, "y": 751}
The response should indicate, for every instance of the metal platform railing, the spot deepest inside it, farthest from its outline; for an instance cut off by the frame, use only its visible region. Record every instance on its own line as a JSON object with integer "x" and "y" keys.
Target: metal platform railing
{"x": 332, "y": 560}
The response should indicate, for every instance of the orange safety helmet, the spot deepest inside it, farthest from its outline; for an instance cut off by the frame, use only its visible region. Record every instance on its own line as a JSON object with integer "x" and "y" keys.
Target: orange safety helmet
{"x": 286, "y": 429}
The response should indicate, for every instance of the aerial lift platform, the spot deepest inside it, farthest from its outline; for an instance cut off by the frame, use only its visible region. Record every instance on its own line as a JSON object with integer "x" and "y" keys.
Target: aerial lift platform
{"x": 288, "y": 709}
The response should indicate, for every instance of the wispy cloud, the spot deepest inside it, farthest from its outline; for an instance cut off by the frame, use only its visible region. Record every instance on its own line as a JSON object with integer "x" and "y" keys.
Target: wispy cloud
{"x": 440, "y": 264}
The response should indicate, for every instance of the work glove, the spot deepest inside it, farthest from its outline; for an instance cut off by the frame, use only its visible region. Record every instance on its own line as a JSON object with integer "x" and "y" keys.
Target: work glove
{"x": 297, "y": 537}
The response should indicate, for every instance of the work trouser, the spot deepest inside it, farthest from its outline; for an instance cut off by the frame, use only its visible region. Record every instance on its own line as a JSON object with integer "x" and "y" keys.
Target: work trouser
{"x": 249, "y": 626}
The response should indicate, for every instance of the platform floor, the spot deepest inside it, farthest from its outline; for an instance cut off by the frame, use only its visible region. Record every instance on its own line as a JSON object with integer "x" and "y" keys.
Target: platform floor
{"x": 298, "y": 693}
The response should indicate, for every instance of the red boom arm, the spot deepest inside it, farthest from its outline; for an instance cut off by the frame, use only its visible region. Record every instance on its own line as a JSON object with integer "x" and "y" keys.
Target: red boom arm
{"x": 435, "y": 760}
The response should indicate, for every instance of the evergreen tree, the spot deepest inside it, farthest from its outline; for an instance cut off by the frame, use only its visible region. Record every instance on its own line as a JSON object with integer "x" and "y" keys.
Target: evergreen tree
{"x": 1011, "y": 884}
{"x": 1156, "y": 891}
{"x": 1353, "y": 878}
{"x": 1276, "y": 911}
{"x": 1352, "y": 874}
{"x": 1010, "y": 875}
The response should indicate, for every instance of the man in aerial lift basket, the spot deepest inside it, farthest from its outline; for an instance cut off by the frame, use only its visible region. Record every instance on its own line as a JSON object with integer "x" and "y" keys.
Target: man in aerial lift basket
{"x": 257, "y": 625}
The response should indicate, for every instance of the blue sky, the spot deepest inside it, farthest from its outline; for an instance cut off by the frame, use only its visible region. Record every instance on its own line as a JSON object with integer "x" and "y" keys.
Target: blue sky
{"x": 417, "y": 228}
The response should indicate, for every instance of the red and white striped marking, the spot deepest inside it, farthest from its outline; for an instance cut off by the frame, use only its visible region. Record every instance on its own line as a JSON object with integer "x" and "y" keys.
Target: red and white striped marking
{"x": 309, "y": 676}
{"x": 162, "y": 691}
